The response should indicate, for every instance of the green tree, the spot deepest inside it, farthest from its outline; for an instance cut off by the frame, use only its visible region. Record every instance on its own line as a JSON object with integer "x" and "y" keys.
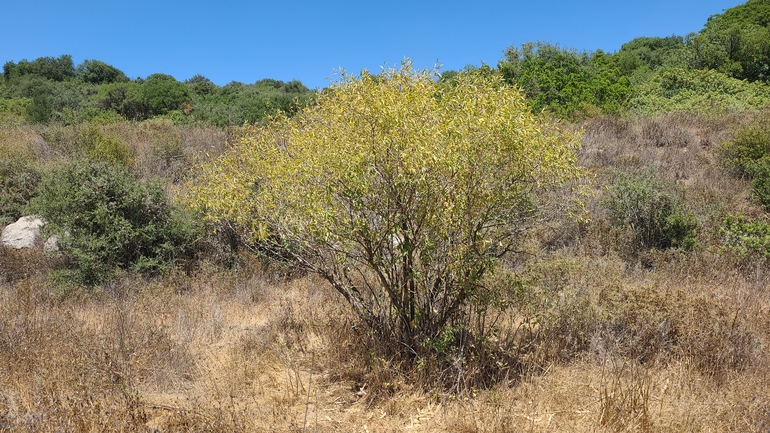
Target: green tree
{"x": 125, "y": 99}
{"x": 162, "y": 93}
{"x": 400, "y": 191}
{"x": 98, "y": 72}
{"x": 651, "y": 53}
{"x": 53, "y": 68}
{"x": 736, "y": 42}
{"x": 201, "y": 85}
{"x": 564, "y": 81}
{"x": 237, "y": 103}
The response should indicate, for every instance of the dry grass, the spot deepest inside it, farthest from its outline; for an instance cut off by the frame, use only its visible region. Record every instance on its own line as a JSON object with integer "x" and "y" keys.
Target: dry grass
{"x": 157, "y": 148}
{"x": 676, "y": 349}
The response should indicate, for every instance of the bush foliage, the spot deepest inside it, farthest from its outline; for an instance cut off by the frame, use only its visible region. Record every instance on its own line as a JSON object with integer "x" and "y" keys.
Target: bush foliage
{"x": 107, "y": 221}
{"x": 18, "y": 183}
{"x": 652, "y": 210}
{"x": 699, "y": 91}
{"x": 749, "y": 149}
{"x": 567, "y": 83}
{"x": 746, "y": 237}
{"x": 398, "y": 190}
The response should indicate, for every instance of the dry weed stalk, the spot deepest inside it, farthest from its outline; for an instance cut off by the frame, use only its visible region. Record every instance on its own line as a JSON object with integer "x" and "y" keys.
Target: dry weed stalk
{"x": 625, "y": 397}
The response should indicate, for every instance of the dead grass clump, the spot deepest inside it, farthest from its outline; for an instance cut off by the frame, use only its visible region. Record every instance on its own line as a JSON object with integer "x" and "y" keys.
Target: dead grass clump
{"x": 636, "y": 323}
{"x": 714, "y": 339}
{"x": 153, "y": 148}
{"x": 82, "y": 364}
{"x": 25, "y": 328}
{"x": 23, "y": 143}
{"x": 168, "y": 151}
{"x": 598, "y": 308}
{"x": 666, "y": 132}
{"x": 611, "y": 127}
{"x": 677, "y": 144}
{"x": 18, "y": 264}
{"x": 624, "y": 397}
{"x": 607, "y": 141}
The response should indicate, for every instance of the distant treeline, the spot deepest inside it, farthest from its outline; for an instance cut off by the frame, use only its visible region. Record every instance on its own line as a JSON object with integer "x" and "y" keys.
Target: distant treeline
{"x": 54, "y": 89}
{"x": 724, "y": 67}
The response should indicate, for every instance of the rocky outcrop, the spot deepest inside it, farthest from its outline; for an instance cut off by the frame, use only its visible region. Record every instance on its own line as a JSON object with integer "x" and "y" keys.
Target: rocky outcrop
{"x": 24, "y": 233}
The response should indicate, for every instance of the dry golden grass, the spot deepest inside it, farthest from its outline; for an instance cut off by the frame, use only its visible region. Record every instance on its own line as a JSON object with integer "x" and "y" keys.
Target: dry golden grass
{"x": 680, "y": 348}
{"x": 157, "y": 148}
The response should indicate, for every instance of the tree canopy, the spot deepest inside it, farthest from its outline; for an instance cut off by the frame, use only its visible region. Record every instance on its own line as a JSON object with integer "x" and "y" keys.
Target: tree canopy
{"x": 565, "y": 81}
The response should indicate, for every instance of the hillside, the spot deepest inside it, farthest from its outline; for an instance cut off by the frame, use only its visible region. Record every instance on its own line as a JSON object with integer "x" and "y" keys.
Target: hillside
{"x": 623, "y": 286}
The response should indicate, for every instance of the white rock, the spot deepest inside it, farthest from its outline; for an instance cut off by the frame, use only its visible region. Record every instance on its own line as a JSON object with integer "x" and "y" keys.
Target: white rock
{"x": 51, "y": 244}
{"x": 24, "y": 233}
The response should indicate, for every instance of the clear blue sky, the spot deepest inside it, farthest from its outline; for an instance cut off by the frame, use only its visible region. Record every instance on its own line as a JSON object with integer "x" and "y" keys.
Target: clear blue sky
{"x": 245, "y": 41}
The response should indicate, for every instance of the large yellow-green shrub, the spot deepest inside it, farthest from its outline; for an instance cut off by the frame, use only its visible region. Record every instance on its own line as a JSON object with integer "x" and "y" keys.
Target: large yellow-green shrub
{"x": 398, "y": 190}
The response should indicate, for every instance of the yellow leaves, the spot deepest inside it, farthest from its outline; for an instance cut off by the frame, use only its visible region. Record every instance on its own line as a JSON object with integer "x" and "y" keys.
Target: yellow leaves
{"x": 455, "y": 152}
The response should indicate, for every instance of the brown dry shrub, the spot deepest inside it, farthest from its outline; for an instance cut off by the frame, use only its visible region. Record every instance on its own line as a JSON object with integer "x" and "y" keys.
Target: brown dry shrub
{"x": 665, "y": 132}
{"x": 21, "y": 143}
{"x": 18, "y": 264}
{"x": 597, "y": 308}
{"x": 624, "y": 397}
{"x": 714, "y": 339}
{"x": 607, "y": 141}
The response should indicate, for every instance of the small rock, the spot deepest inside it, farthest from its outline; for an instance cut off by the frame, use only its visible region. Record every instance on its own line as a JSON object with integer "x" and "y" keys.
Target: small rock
{"x": 51, "y": 244}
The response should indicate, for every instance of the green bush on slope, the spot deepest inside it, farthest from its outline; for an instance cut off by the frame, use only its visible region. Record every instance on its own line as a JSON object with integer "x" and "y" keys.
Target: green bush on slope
{"x": 106, "y": 221}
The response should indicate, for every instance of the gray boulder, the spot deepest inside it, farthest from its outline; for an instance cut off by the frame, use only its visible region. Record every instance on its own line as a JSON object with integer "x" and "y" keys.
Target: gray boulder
{"x": 51, "y": 244}
{"x": 24, "y": 233}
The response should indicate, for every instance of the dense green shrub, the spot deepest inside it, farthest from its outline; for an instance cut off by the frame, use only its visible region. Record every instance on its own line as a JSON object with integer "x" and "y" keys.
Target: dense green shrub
{"x": 652, "y": 210}
{"x": 201, "y": 85}
{"x": 52, "y": 89}
{"x": 750, "y": 146}
{"x": 735, "y": 42}
{"x": 162, "y": 93}
{"x": 15, "y": 107}
{"x": 760, "y": 186}
{"x": 125, "y": 99}
{"x": 237, "y": 103}
{"x": 98, "y": 72}
{"x": 108, "y": 221}
{"x": 52, "y": 68}
{"x": 698, "y": 91}
{"x": 567, "y": 83}
{"x": 746, "y": 238}
{"x": 748, "y": 155}
{"x": 651, "y": 53}
{"x": 50, "y": 100}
